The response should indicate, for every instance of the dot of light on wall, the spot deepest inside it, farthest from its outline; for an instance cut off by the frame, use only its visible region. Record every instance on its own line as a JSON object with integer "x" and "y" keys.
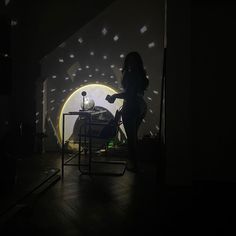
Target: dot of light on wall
{"x": 62, "y": 45}
{"x": 116, "y": 37}
{"x": 80, "y": 40}
{"x": 14, "y": 22}
{"x": 143, "y": 29}
{"x": 151, "y": 45}
{"x": 98, "y": 93}
{"x": 104, "y": 31}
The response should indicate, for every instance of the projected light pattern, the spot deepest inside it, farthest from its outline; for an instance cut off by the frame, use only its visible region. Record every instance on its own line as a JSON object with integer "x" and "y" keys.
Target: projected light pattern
{"x": 116, "y": 37}
{"x": 151, "y": 45}
{"x": 104, "y": 31}
{"x": 143, "y": 29}
{"x": 14, "y": 22}
{"x": 62, "y": 45}
{"x": 95, "y": 55}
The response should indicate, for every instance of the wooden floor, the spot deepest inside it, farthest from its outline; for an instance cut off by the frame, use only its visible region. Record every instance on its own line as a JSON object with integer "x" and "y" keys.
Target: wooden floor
{"x": 132, "y": 204}
{"x": 84, "y": 205}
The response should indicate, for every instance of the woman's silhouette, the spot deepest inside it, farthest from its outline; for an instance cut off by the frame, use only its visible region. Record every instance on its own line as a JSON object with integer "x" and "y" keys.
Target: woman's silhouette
{"x": 134, "y": 82}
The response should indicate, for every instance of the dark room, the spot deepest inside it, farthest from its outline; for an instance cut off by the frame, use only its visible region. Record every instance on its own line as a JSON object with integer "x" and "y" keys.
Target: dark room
{"x": 104, "y": 130}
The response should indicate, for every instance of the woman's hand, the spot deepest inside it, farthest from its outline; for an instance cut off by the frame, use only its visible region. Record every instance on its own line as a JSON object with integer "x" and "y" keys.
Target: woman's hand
{"x": 111, "y": 98}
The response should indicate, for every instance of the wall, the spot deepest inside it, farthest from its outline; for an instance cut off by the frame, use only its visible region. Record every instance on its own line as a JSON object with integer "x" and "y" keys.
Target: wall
{"x": 95, "y": 54}
{"x": 213, "y": 92}
{"x": 200, "y": 117}
{"x": 178, "y": 158}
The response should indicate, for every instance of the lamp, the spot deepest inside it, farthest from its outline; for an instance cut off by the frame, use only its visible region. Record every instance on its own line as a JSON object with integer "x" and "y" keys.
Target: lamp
{"x": 87, "y": 103}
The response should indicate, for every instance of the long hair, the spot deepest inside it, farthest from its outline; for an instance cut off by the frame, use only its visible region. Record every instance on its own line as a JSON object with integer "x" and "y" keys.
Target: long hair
{"x": 133, "y": 64}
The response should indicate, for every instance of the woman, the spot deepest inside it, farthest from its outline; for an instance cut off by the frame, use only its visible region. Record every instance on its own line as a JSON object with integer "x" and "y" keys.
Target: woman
{"x": 134, "y": 82}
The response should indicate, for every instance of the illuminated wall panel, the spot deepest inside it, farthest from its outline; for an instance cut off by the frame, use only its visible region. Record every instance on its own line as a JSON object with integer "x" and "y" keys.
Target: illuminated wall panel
{"x": 95, "y": 54}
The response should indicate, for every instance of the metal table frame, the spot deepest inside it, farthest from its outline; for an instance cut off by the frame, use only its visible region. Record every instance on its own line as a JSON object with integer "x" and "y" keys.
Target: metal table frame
{"x": 87, "y": 115}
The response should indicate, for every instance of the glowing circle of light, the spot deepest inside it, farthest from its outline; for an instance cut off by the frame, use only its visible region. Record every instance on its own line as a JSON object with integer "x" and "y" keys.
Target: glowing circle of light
{"x": 98, "y": 93}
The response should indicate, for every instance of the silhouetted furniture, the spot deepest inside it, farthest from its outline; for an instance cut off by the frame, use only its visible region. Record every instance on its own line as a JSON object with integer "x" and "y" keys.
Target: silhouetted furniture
{"x": 108, "y": 129}
{"x": 83, "y": 115}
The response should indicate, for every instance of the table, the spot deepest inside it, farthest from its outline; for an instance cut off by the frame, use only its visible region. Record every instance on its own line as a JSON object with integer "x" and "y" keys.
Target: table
{"x": 87, "y": 116}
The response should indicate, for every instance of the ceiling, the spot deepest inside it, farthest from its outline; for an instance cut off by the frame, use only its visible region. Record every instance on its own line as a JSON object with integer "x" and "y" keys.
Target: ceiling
{"x": 43, "y": 25}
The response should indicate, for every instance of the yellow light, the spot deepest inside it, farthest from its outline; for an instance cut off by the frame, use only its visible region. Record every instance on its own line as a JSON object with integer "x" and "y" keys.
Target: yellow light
{"x": 98, "y": 93}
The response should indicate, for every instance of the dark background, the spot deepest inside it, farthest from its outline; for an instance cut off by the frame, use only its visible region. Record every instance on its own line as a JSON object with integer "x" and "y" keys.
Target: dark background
{"x": 200, "y": 96}
{"x": 199, "y": 106}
